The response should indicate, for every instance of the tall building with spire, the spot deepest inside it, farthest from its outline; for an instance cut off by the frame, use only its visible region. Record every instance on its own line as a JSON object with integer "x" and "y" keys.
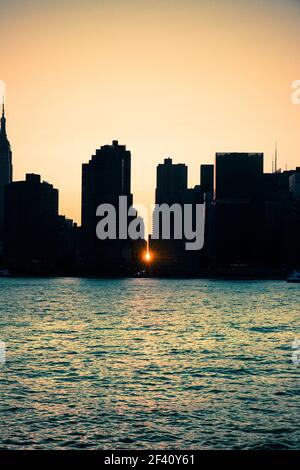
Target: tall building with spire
{"x": 5, "y": 167}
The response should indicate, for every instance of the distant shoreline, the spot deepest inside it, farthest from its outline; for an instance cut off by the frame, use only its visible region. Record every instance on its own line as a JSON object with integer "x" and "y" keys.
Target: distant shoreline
{"x": 211, "y": 275}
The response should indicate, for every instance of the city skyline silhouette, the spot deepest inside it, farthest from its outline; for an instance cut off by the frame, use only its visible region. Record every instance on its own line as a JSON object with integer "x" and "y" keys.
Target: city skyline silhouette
{"x": 251, "y": 219}
{"x": 149, "y": 231}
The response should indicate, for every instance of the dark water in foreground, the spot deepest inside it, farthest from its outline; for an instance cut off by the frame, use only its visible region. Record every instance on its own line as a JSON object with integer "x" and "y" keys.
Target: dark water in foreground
{"x": 148, "y": 363}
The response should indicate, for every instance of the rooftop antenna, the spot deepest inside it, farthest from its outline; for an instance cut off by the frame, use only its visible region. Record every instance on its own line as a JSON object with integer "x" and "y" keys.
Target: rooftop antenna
{"x": 276, "y": 157}
{"x": 2, "y": 94}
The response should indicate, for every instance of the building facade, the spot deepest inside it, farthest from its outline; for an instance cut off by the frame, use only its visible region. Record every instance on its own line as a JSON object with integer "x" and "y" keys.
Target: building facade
{"x": 6, "y": 171}
{"x": 31, "y": 223}
{"x": 238, "y": 209}
{"x": 170, "y": 256}
{"x": 105, "y": 178}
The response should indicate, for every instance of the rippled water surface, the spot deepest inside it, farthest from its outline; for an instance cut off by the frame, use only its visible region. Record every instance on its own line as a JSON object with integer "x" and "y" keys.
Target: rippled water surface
{"x": 145, "y": 363}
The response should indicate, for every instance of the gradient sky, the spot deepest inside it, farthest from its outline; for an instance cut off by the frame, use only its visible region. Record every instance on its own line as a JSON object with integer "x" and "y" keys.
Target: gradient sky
{"x": 167, "y": 78}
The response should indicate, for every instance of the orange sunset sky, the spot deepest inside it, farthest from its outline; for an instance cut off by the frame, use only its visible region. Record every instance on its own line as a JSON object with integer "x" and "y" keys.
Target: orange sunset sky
{"x": 174, "y": 78}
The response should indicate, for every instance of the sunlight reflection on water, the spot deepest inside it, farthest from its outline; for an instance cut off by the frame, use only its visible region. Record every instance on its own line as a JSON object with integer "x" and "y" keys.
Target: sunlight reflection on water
{"x": 147, "y": 363}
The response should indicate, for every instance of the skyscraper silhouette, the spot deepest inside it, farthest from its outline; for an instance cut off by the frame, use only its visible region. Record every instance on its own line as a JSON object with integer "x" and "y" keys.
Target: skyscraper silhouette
{"x": 238, "y": 175}
{"x": 207, "y": 178}
{"x": 31, "y": 223}
{"x": 238, "y": 208}
{"x": 171, "y": 255}
{"x": 171, "y": 182}
{"x": 104, "y": 179}
{"x": 5, "y": 170}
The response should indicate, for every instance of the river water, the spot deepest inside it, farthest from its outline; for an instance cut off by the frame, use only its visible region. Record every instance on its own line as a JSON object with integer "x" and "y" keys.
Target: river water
{"x": 149, "y": 363}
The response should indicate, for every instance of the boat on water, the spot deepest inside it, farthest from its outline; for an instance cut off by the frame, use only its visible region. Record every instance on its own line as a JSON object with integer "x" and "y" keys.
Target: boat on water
{"x": 5, "y": 273}
{"x": 294, "y": 277}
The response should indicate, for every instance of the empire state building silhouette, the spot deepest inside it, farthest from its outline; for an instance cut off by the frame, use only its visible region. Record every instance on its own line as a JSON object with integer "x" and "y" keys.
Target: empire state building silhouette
{"x": 5, "y": 168}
